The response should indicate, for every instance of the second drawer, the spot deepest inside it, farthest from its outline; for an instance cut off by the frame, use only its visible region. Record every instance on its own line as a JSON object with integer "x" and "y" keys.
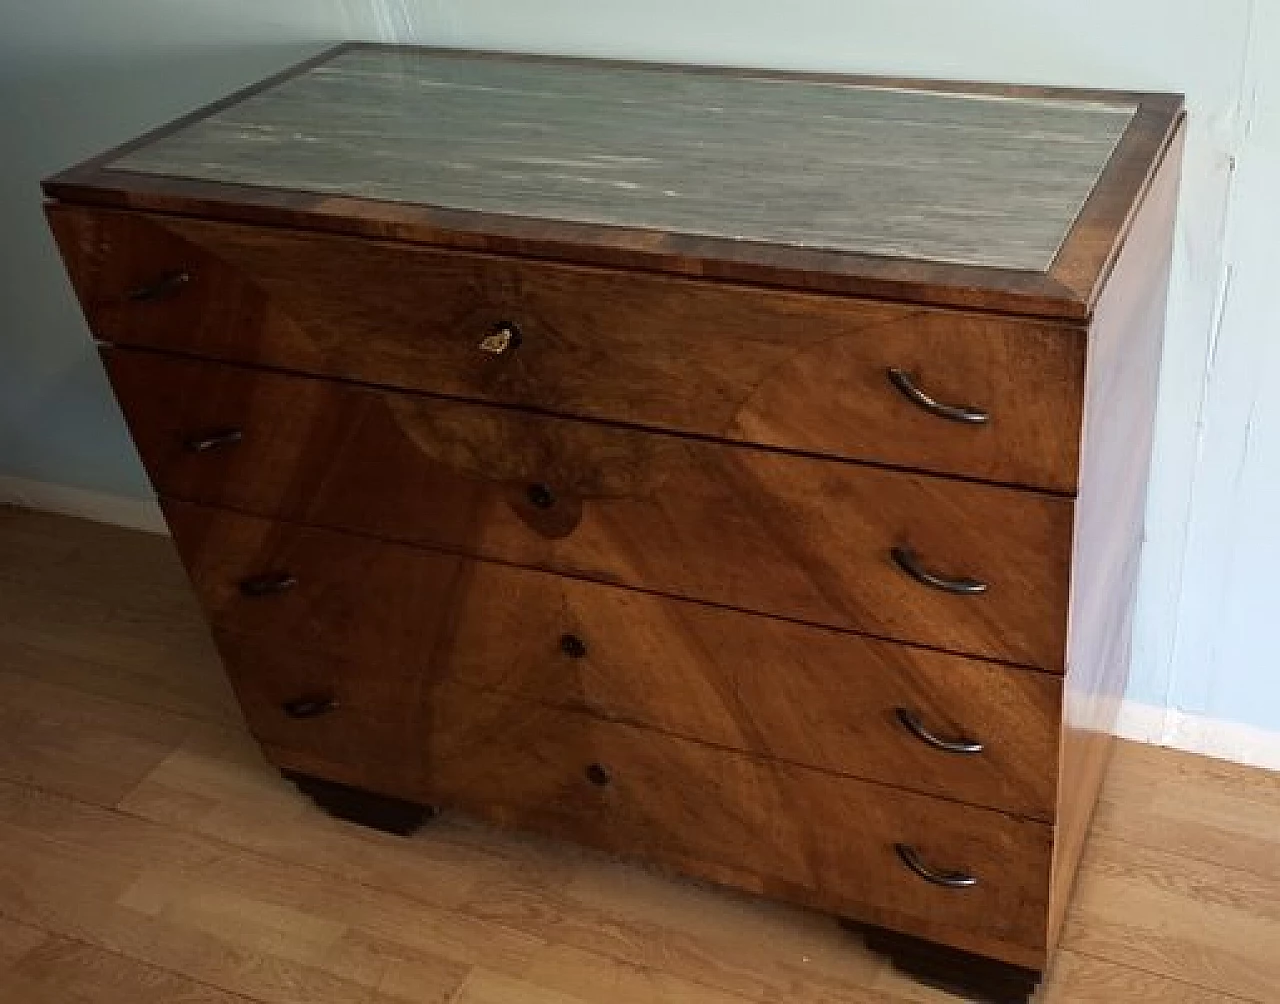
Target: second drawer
{"x": 958, "y": 566}
{"x": 338, "y": 662}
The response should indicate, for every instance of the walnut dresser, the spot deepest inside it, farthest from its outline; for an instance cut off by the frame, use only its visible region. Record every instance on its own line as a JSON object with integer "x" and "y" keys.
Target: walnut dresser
{"x": 738, "y": 471}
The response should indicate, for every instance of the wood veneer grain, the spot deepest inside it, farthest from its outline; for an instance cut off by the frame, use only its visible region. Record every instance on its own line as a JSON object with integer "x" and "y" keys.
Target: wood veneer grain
{"x": 609, "y": 448}
{"x": 767, "y": 532}
{"x": 370, "y": 626}
{"x": 770, "y": 828}
{"x": 803, "y": 372}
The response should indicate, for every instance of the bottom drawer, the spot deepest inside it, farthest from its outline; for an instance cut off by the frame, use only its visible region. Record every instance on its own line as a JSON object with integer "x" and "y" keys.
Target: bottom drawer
{"x": 769, "y": 827}
{"x": 362, "y": 712}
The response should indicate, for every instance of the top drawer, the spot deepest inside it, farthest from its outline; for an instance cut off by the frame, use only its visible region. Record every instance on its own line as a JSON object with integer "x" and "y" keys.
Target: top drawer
{"x": 800, "y": 371}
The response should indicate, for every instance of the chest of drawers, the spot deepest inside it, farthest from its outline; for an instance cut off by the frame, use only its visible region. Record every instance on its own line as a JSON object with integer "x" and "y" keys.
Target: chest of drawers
{"x": 742, "y": 472}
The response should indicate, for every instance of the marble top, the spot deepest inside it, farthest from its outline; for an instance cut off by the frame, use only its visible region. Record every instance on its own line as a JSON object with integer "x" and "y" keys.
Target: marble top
{"x": 946, "y": 177}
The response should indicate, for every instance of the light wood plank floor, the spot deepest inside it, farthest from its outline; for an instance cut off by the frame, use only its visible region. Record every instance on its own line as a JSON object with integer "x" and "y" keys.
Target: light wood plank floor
{"x": 147, "y": 854}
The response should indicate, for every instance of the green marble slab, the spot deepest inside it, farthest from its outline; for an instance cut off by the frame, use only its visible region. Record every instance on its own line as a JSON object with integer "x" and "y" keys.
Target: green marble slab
{"x": 965, "y": 178}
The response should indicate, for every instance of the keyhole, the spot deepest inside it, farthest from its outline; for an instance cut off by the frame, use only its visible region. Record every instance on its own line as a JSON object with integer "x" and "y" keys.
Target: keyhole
{"x": 598, "y": 775}
{"x": 540, "y": 496}
{"x": 573, "y": 646}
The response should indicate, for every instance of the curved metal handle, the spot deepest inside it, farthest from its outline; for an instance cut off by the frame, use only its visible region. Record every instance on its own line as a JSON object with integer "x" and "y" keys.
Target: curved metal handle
{"x": 268, "y": 584}
{"x": 504, "y": 338}
{"x": 911, "y": 722}
{"x": 906, "y": 559}
{"x": 951, "y": 880}
{"x": 162, "y": 288}
{"x": 310, "y": 707}
{"x": 214, "y": 439}
{"x": 955, "y": 412}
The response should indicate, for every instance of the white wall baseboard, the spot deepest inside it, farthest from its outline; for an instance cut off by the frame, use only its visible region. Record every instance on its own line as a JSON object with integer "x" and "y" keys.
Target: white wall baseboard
{"x": 1245, "y": 744}
{"x": 137, "y": 514}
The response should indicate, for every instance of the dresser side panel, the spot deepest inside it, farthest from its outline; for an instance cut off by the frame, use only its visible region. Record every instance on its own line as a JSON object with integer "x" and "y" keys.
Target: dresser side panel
{"x": 1120, "y": 397}
{"x": 78, "y": 238}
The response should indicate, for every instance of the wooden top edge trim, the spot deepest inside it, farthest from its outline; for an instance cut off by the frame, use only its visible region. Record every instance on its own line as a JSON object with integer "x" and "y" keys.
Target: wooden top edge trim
{"x": 1086, "y": 258}
{"x": 1171, "y": 139}
{"x": 1065, "y": 292}
{"x": 993, "y": 291}
{"x": 943, "y": 85}
{"x": 99, "y": 162}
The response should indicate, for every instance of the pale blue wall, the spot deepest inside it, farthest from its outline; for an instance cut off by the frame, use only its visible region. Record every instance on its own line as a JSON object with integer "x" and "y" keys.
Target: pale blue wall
{"x": 77, "y": 76}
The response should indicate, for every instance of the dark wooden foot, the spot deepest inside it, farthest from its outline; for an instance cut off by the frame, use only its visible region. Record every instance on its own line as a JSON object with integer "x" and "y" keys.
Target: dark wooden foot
{"x": 378, "y": 812}
{"x": 973, "y": 977}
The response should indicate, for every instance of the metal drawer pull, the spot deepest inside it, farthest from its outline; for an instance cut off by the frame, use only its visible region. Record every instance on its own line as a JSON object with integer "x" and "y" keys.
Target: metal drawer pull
{"x": 213, "y": 439}
{"x": 956, "y": 413}
{"x": 504, "y": 338}
{"x": 268, "y": 584}
{"x": 162, "y": 288}
{"x": 951, "y": 880}
{"x": 911, "y": 722}
{"x": 906, "y": 559}
{"x": 310, "y": 707}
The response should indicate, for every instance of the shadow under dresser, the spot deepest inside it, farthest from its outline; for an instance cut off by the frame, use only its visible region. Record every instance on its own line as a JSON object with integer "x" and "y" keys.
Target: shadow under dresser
{"x": 734, "y": 470}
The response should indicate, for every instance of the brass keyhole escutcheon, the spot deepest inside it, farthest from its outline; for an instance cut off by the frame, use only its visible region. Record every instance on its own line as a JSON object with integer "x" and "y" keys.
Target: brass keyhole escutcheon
{"x": 502, "y": 339}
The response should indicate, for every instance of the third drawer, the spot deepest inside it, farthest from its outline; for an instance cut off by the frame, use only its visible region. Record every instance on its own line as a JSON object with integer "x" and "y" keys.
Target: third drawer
{"x": 332, "y": 640}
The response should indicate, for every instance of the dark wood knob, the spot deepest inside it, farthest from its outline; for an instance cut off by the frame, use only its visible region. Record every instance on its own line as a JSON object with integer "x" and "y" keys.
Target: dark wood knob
{"x": 310, "y": 707}
{"x": 598, "y": 775}
{"x": 213, "y": 439}
{"x": 160, "y": 288}
{"x": 268, "y": 584}
{"x": 540, "y": 496}
{"x": 573, "y": 646}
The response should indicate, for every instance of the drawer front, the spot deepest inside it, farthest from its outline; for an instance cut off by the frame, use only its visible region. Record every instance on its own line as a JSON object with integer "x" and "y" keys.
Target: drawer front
{"x": 806, "y": 372}
{"x": 337, "y": 663}
{"x": 772, "y": 828}
{"x": 825, "y": 542}
{"x": 353, "y": 707}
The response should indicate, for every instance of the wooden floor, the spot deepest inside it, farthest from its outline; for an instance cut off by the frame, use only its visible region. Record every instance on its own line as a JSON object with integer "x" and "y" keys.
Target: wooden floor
{"x": 147, "y": 854}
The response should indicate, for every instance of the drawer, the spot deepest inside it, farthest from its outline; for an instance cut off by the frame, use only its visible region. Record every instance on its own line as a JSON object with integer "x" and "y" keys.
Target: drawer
{"x": 826, "y": 542}
{"x": 764, "y": 826}
{"x": 801, "y": 371}
{"x": 337, "y": 663}
{"x": 357, "y": 707}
